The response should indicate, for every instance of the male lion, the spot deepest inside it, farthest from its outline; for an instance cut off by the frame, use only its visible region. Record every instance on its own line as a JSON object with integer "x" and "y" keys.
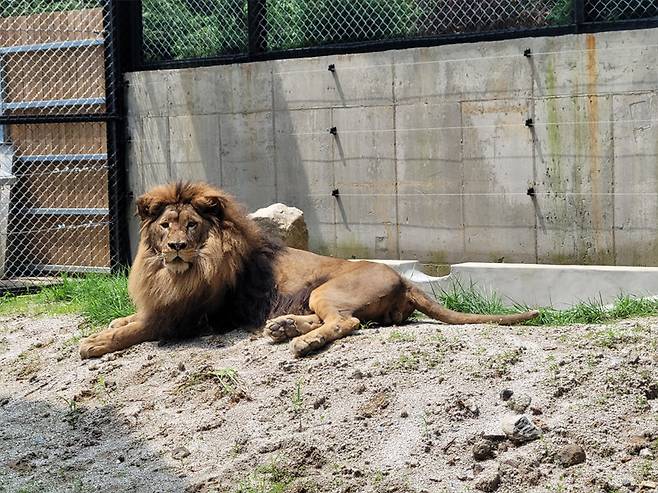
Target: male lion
{"x": 202, "y": 262}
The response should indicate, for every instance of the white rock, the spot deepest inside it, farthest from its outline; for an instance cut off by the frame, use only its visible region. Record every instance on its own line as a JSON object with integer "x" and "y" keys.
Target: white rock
{"x": 284, "y": 222}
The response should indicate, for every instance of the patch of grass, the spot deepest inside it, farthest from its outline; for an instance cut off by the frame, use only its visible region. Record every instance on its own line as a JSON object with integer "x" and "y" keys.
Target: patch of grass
{"x": 646, "y": 471}
{"x": 417, "y": 316}
{"x": 73, "y": 411}
{"x": 101, "y": 389}
{"x": 99, "y": 298}
{"x": 225, "y": 379}
{"x": 405, "y": 362}
{"x": 469, "y": 299}
{"x": 297, "y": 401}
{"x": 399, "y": 336}
{"x": 268, "y": 478}
{"x": 501, "y": 363}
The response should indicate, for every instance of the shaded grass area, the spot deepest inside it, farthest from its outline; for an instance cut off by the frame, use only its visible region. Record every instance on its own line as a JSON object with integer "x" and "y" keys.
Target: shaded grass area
{"x": 99, "y": 298}
{"x": 469, "y": 299}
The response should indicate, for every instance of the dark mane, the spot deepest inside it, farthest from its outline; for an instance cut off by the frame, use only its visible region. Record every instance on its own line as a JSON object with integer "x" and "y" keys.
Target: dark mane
{"x": 249, "y": 304}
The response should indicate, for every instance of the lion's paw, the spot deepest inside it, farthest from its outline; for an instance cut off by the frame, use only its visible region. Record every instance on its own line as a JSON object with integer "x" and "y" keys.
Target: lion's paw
{"x": 302, "y": 345}
{"x": 281, "y": 328}
{"x": 94, "y": 346}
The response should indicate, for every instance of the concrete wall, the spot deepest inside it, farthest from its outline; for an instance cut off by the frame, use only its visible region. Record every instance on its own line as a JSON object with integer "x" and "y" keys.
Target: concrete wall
{"x": 432, "y": 159}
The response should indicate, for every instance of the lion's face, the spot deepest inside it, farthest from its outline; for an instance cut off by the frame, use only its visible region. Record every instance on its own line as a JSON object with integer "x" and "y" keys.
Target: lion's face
{"x": 178, "y": 234}
{"x": 177, "y": 221}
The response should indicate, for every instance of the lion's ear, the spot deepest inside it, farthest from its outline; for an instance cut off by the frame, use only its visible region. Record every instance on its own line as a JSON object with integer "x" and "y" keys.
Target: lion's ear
{"x": 210, "y": 204}
{"x": 148, "y": 207}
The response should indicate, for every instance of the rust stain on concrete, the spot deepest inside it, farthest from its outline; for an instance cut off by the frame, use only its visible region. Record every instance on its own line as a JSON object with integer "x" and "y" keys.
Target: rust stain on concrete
{"x": 595, "y": 145}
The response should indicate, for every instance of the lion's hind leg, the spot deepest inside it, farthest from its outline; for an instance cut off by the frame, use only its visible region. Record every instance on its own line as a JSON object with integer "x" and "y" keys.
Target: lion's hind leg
{"x": 288, "y": 326}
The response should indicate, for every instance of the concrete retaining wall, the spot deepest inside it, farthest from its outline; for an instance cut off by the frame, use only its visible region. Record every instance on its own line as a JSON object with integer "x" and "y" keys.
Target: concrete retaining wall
{"x": 432, "y": 159}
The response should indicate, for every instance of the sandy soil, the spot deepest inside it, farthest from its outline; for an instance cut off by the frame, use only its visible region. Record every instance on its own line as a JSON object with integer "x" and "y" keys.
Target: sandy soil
{"x": 398, "y": 409}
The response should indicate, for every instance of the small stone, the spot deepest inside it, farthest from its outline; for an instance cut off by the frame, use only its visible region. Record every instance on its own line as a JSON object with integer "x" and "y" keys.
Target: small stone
{"x": 520, "y": 428}
{"x": 319, "y": 402}
{"x": 646, "y": 453}
{"x": 506, "y": 394}
{"x": 571, "y": 454}
{"x": 376, "y": 403}
{"x": 180, "y": 453}
{"x": 266, "y": 448}
{"x": 488, "y": 480}
{"x": 357, "y": 375}
{"x": 519, "y": 403}
{"x": 484, "y": 449}
{"x": 635, "y": 444}
{"x": 181, "y": 366}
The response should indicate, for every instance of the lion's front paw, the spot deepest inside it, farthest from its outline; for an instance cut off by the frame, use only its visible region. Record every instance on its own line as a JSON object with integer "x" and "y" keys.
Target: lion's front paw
{"x": 95, "y": 346}
{"x": 281, "y": 328}
{"x": 302, "y": 345}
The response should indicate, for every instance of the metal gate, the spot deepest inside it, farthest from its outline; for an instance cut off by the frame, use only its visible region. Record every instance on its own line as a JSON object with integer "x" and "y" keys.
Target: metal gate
{"x": 60, "y": 174}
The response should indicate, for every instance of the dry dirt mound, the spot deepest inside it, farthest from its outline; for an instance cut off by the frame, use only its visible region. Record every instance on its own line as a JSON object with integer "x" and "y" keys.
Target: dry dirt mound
{"x": 403, "y": 409}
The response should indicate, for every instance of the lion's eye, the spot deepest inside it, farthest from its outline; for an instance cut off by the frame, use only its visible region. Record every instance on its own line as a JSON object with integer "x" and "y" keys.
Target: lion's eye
{"x": 192, "y": 224}
{"x": 164, "y": 225}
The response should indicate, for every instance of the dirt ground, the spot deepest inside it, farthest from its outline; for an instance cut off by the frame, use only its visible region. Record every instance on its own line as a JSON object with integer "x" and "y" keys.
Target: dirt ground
{"x": 398, "y": 409}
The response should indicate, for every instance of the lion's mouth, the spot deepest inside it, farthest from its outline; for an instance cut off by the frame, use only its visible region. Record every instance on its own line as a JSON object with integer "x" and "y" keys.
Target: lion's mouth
{"x": 176, "y": 263}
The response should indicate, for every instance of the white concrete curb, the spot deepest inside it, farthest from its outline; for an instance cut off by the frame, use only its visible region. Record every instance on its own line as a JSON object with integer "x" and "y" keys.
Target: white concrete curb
{"x": 536, "y": 285}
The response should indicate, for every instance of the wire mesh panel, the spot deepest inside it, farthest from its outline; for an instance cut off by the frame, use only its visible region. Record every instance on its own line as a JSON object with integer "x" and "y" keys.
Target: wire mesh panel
{"x": 616, "y": 10}
{"x": 300, "y": 23}
{"x": 56, "y": 167}
{"x": 177, "y": 29}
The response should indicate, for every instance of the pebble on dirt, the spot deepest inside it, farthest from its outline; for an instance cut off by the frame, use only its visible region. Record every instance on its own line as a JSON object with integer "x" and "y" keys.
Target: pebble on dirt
{"x": 571, "y": 454}
{"x": 506, "y": 394}
{"x": 519, "y": 403}
{"x": 484, "y": 449}
{"x": 488, "y": 480}
{"x": 180, "y": 453}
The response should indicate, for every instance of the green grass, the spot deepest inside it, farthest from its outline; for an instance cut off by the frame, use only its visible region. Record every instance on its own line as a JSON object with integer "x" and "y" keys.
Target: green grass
{"x": 226, "y": 380}
{"x": 469, "y": 299}
{"x": 99, "y": 298}
{"x": 268, "y": 478}
{"x": 399, "y": 336}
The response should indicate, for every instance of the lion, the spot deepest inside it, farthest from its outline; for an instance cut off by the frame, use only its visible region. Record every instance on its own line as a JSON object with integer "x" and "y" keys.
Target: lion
{"x": 201, "y": 262}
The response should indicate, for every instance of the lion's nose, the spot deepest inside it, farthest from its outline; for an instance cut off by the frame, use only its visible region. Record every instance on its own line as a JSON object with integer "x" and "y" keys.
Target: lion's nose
{"x": 177, "y": 245}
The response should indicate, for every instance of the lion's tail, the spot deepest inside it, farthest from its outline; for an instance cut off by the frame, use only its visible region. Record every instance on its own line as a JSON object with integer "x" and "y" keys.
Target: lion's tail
{"x": 431, "y": 308}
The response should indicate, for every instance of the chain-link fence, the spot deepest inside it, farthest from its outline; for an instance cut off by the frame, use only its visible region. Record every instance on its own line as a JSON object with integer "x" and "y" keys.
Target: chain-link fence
{"x": 193, "y": 28}
{"x": 186, "y": 29}
{"x": 618, "y": 10}
{"x": 58, "y": 170}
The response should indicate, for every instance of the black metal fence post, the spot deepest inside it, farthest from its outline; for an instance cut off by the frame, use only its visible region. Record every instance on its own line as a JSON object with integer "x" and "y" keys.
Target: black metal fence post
{"x": 130, "y": 28}
{"x": 115, "y": 132}
{"x": 578, "y": 13}
{"x": 257, "y": 26}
